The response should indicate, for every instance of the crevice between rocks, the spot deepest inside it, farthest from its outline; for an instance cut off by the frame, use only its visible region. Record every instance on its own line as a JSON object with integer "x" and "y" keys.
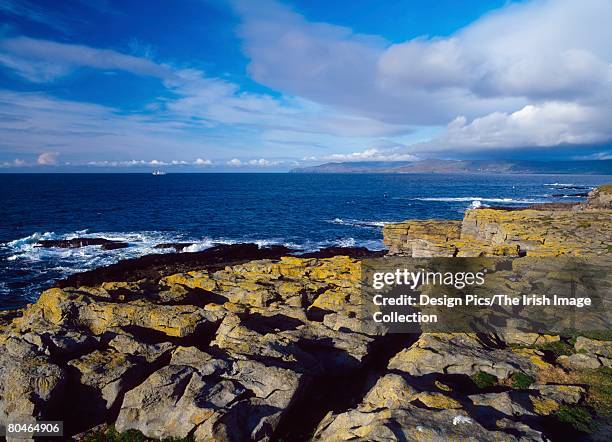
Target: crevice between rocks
{"x": 338, "y": 392}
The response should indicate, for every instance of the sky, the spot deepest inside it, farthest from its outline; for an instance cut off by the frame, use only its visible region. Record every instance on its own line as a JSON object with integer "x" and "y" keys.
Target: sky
{"x": 269, "y": 85}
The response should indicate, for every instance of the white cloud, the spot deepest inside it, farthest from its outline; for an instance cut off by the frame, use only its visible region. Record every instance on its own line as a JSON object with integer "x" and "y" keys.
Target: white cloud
{"x": 262, "y": 162}
{"x": 15, "y": 163}
{"x": 202, "y": 162}
{"x": 256, "y": 162}
{"x": 549, "y": 124}
{"x": 212, "y": 99}
{"x": 133, "y": 163}
{"x": 527, "y": 64}
{"x": 596, "y": 156}
{"x": 540, "y": 50}
{"x": 198, "y": 104}
{"x": 426, "y": 64}
{"x": 372, "y": 155}
{"x": 33, "y": 122}
{"x": 47, "y": 159}
{"x": 43, "y": 60}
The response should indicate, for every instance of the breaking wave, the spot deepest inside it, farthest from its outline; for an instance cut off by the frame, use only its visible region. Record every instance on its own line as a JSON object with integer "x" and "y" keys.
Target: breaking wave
{"x": 358, "y": 223}
{"x": 35, "y": 267}
{"x": 479, "y": 198}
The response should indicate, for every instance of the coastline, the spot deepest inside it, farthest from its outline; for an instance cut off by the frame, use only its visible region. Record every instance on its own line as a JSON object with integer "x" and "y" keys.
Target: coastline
{"x": 157, "y": 266}
{"x": 240, "y": 342}
{"x": 330, "y": 214}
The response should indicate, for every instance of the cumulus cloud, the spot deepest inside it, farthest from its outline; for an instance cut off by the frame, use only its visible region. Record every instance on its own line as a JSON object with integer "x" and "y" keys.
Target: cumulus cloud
{"x": 540, "y": 62}
{"x": 548, "y": 124}
{"x": 537, "y": 51}
{"x": 126, "y": 163}
{"x": 256, "y": 162}
{"x": 426, "y": 64}
{"x": 47, "y": 159}
{"x": 146, "y": 163}
{"x": 371, "y": 155}
{"x": 262, "y": 162}
{"x": 17, "y": 162}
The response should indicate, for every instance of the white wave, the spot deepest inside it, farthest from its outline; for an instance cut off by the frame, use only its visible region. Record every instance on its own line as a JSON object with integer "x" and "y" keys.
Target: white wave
{"x": 357, "y": 222}
{"x": 570, "y": 186}
{"x": 206, "y": 243}
{"x": 68, "y": 269}
{"x": 140, "y": 243}
{"x": 476, "y": 204}
{"x": 478, "y": 198}
{"x": 77, "y": 234}
{"x": 346, "y": 242}
{"x": 44, "y": 265}
{"x": 29, "y": 240}
{"x": 559, "y": 184}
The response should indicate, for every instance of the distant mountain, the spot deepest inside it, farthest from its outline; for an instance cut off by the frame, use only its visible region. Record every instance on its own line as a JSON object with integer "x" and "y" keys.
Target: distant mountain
{"x": 599, "y": 167}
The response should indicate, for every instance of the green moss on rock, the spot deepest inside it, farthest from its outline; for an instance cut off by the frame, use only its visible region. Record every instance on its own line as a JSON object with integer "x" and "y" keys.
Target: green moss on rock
{"x": 112, "y": 435}
{"x": 484, "y": 380}
{"x": 557, "y": 348}
{"x": 576, "y": 416}
{"x": 521, "y": 380}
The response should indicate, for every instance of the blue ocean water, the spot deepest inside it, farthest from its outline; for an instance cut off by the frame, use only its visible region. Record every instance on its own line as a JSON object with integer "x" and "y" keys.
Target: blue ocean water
{"x": 303, "y": 211}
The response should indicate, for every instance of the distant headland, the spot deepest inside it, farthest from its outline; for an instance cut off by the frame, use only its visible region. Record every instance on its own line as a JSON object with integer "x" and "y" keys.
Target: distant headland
{"x": 592, "y": 167}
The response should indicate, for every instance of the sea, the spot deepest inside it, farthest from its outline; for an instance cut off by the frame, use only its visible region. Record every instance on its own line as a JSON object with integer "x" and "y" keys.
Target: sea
{"x": 301, "y": 211}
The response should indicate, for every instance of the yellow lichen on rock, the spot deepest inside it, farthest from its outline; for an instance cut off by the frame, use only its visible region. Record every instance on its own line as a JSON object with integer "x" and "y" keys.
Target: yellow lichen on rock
{"x": 438, "y": 400}
{"x": 542, "y": 231}
{"x": 544, "y": 406}
{"x": 200, "y": 280}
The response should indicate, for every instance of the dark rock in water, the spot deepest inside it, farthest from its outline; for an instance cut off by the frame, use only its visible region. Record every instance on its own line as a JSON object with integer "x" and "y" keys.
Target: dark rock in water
{"x": 571, "y": 195}
{"x": 114, "y": 245}
{"x": 157, "y": 266}
{"x": 353, "y": 252}
{"x": 571, "y": 186}
{"x": 74, "y": 243}
{"x": 178, "y": 246}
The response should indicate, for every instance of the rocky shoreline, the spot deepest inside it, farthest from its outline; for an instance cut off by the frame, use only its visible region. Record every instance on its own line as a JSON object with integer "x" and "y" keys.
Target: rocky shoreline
{"x": 245, "y": 343}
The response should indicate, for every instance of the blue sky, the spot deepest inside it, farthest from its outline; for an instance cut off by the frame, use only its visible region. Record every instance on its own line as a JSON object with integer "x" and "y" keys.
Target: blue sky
{"x": 241, "y": 85}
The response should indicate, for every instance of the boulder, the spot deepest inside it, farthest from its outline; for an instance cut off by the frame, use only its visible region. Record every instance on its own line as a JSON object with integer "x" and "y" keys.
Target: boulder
{"x": 459, "y": 353}
{"x": 32, "y": 388}
{"x": 211, "y": 398}
{"x": 414, "y": 424}
{"x": 600, "y": 198}
{"x": 593, "y": 347}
